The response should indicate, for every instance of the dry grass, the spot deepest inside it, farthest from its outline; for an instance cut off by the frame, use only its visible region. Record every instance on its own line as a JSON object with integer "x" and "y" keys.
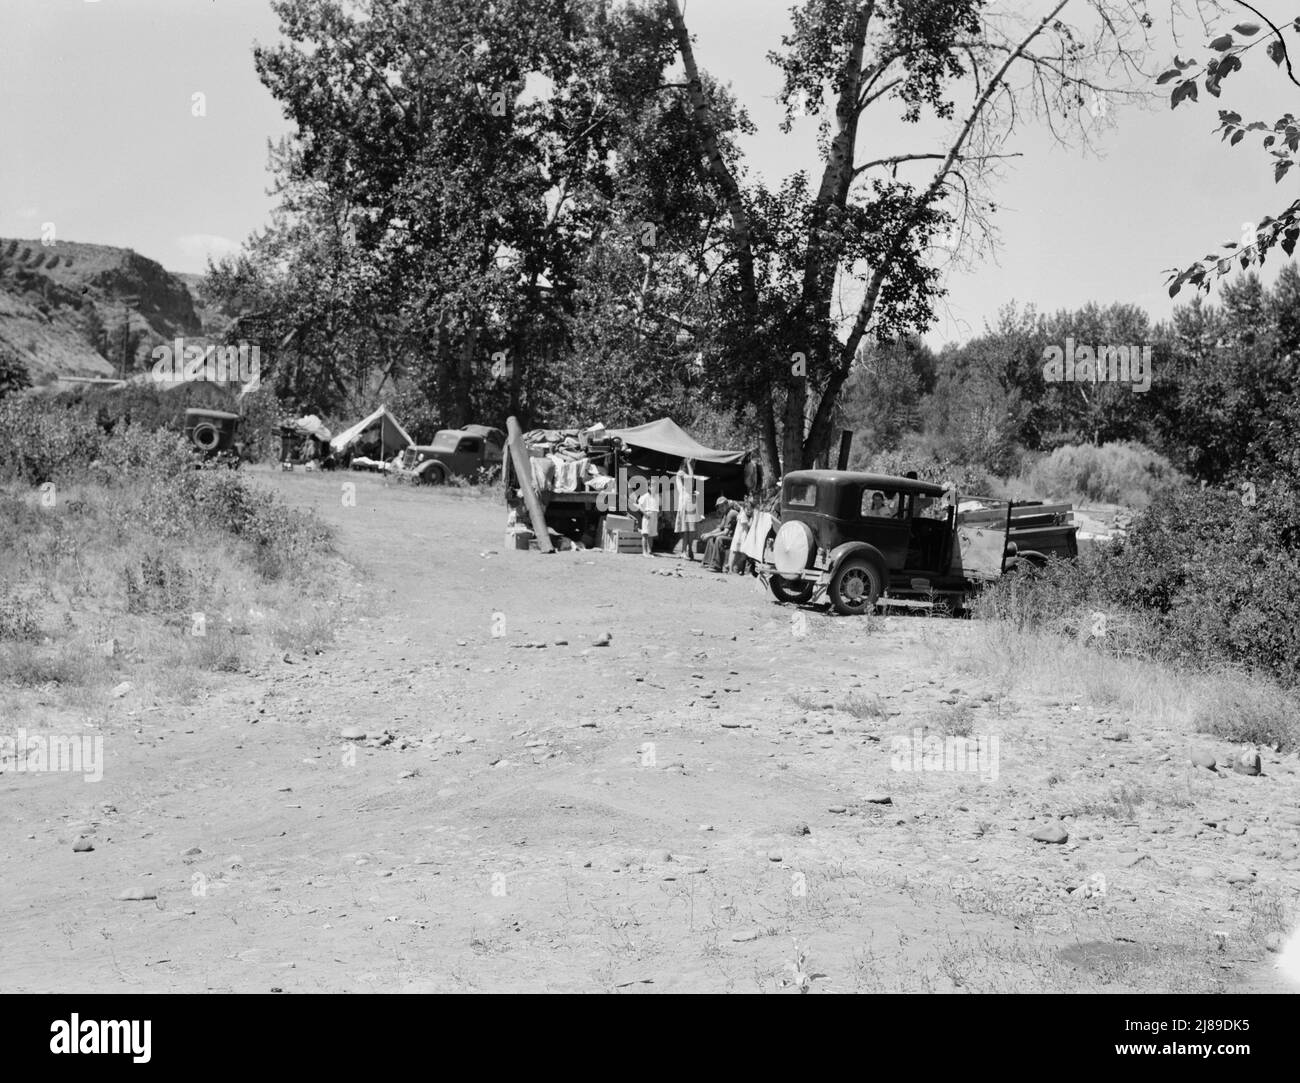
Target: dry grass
{"x": 867, "y": 707}
{"x": 92, "y": 598}
{"x": 1223, "y": 703}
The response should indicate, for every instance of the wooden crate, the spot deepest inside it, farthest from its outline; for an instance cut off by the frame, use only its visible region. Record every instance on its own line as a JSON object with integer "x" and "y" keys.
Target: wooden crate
{"x": 619, "y": 541}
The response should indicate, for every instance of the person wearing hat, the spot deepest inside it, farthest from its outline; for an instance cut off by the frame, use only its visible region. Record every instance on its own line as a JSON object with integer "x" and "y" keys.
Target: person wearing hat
{"x": 719, "y": 540}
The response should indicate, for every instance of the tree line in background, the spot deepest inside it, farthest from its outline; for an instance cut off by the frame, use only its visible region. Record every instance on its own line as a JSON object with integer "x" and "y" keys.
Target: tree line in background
{"x": 1221, "y": 405}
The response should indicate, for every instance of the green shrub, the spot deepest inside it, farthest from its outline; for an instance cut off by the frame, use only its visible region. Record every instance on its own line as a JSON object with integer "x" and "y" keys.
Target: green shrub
{"x": 18, "y": 614}
{"x": 160, "y": 487}
{"x": 1201, "y": 579}
{"x": 1117, "y": 473}
{"x": 40, "y": 442}
{"x": 13, "y": 373}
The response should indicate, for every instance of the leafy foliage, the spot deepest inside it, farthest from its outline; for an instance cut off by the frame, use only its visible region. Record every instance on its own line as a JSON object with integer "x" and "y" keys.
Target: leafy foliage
{"x": 13, "y": 373}
{"x": 1281, "y": 139}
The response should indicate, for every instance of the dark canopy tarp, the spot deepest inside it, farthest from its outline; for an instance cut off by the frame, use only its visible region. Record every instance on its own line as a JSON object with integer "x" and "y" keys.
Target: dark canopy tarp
{"x": 668, "y": 438}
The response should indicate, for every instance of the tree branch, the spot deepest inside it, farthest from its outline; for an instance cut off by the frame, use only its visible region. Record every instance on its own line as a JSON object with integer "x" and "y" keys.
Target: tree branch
{"x": 1290, "y": 72}
{"x": 917, "y": 157}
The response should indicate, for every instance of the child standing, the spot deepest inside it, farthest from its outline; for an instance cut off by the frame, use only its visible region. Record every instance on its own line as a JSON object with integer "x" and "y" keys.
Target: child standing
{"x": 648, "y": 505}
{"x": 744, "y": 519}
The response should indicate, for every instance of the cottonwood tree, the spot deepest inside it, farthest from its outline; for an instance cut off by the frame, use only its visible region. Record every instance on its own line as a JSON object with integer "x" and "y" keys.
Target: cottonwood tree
{"x": 467, "y": 151}
{"x": 1280, "y": 138}
{"x": 810, "y": 270}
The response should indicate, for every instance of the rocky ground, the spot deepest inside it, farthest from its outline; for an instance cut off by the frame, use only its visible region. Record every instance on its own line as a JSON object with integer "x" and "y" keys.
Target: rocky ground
{"x": 593, "y": 772}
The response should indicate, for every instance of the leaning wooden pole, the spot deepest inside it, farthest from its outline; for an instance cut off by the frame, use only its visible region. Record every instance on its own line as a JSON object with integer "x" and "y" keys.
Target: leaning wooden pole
{"x": 524, "y": 474}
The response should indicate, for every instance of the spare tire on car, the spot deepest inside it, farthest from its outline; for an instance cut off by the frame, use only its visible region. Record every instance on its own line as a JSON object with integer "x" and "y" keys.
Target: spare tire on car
{"x": 794, "y": 547}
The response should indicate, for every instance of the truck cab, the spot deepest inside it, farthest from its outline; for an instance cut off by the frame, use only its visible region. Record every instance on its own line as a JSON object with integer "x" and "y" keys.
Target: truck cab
{"x": 452, "y": 453}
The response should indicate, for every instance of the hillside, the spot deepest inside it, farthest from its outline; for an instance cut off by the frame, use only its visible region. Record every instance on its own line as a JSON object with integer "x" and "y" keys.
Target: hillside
{"x": 63, "y": 308}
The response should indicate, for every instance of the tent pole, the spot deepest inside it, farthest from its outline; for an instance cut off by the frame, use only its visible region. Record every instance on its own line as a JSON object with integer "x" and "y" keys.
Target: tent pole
{"x": 523, "y": 467}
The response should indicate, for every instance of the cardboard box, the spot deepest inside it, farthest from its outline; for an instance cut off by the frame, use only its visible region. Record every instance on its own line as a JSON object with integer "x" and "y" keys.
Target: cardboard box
{"x": 519, "y": 539}
{"x": 620, "y": 524}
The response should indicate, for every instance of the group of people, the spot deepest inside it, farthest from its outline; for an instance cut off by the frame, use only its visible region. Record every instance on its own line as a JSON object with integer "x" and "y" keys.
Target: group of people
{"x": 722, "y": 545}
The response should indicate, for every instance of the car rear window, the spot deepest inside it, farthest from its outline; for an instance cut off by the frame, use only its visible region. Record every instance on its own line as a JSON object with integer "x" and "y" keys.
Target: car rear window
{"x": 802, "y": 496}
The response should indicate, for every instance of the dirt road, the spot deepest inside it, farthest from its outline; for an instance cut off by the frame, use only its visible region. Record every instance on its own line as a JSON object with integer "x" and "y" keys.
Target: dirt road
{"x": 712, "y": 800}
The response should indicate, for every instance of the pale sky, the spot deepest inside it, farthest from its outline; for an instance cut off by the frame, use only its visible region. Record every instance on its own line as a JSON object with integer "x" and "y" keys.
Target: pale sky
{"x": 97, "y": 134}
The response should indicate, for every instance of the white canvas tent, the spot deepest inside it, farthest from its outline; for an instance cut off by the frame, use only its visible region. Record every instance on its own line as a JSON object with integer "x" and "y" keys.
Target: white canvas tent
{"x": 391, "y": 433}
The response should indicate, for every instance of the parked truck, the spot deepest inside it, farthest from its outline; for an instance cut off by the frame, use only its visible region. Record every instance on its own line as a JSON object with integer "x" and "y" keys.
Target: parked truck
{"x": 452, "y": 453}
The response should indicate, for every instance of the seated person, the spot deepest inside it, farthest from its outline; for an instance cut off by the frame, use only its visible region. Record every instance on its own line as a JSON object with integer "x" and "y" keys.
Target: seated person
{"x": 879, "y": 505}
{"x": 719, "y": 540}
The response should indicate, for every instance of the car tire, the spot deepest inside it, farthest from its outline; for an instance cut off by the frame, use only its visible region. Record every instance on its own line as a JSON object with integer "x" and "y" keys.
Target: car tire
{"x": 206, "y": 436}
{"x": 854, "y": 587}
{"x": 784, "y": 590}
{"x": 435, "y": 475}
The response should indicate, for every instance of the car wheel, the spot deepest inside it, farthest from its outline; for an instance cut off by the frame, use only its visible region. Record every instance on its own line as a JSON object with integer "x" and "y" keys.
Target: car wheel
{"x": 435, "y": 475}
{"x": 784, "y": 590}
{"x": 854, "y": 587}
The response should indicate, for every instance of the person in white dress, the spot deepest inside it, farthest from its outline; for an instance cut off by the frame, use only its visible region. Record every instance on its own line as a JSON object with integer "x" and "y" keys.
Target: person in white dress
{"x": 686, "y": 501}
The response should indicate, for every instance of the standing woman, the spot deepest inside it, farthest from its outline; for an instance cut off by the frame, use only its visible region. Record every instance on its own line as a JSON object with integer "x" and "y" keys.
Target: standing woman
{"x": 685, "y": 500}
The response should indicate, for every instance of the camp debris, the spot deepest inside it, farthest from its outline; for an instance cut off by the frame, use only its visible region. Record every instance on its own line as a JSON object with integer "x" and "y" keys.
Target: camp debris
{"x": 585, "y": 480}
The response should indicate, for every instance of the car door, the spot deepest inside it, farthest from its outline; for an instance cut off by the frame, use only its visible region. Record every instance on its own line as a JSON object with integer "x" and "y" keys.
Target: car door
{"x": 469, "y": 455}
{"x": 883, "y": 527}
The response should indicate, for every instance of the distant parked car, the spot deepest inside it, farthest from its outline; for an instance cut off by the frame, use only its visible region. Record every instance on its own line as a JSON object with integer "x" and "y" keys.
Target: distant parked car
{"x": 212, "y": 434}
{"x": 453, "y": 453}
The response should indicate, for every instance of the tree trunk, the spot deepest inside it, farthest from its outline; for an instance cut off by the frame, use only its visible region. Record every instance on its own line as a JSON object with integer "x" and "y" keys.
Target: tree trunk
{"x": 820, "y": 433}
{"x": 822, "y": 252}
{"x": 740, "y": 224}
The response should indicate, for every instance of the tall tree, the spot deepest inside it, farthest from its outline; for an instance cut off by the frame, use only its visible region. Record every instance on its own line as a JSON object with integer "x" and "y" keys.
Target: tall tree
{"x": 862, "y": 232}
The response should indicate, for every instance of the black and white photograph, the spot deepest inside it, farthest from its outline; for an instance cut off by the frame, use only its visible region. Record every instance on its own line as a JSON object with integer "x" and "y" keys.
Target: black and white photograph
{"x": 642, "y": 497}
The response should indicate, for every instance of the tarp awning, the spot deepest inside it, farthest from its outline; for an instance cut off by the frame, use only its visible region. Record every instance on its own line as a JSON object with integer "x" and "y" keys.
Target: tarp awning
{"x": 311, "y": 425}
{"x": 394, "y": 437}
{"x": 668, "y": 438}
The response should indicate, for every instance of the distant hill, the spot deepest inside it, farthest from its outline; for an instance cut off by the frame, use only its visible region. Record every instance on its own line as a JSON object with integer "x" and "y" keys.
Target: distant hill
{"x": 63, "y": 308}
